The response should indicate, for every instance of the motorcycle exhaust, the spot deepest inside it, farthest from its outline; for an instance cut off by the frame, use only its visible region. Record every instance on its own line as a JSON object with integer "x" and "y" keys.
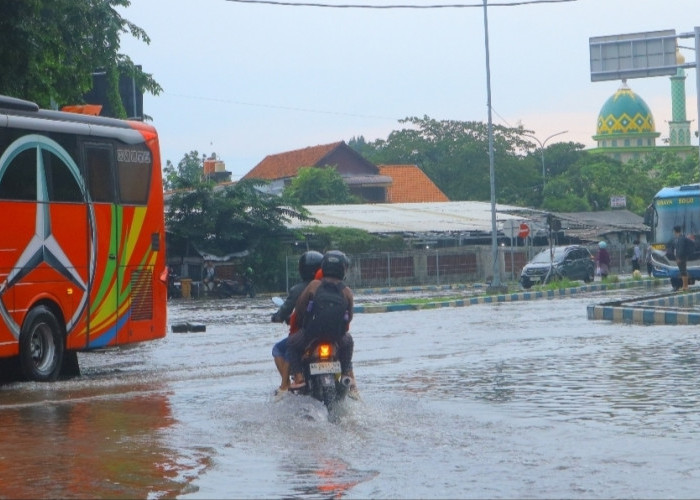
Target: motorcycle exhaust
{"x": 346, "y": 380}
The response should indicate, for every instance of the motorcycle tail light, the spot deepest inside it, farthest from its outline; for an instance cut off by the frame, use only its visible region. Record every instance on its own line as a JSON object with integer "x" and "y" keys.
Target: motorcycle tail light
{"x": 324, "y": 351}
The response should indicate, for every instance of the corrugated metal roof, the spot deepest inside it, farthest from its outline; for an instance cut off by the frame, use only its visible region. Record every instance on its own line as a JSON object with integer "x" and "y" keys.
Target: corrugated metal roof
{"x": 458, "y": 216}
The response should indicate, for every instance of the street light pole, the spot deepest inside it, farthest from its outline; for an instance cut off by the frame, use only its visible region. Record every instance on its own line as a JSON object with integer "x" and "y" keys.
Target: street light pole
{"x": 496, "y": 280}
{"x": 542, "y": 144}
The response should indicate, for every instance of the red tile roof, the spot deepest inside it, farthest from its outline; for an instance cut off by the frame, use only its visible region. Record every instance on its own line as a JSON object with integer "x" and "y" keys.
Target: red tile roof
{"x": 285, "y": 165}
{"x": 410, "y": 185}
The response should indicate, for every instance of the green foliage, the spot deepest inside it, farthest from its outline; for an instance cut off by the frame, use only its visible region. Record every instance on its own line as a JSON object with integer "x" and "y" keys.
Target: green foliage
{"x": 50, "y": 48}
{"x": 454, "y": 155}
{"x": 671, "y": 168}
{"x": 187, "y": 174}
{"x": 561, "y": 196}
{"x": 318, "y": 186}
{"x": 353, "y": 241}
{"x": 230, "y": 219}
{"x": 557, "y": 284}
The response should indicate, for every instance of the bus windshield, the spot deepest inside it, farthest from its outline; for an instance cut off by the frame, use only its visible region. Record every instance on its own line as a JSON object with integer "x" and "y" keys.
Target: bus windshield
{"x": 677, "y": 206}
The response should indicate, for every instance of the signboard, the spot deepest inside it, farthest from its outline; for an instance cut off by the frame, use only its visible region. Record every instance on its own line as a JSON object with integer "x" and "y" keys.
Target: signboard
{"x": 635, "y": 55}
{"x": 618, "y": 201}
{"x": 514, "y": 228}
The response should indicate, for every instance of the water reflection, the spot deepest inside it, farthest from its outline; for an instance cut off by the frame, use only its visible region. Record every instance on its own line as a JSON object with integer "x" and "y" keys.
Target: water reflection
{"x": 325, "y": 477}
{"x": 89, "y": 447}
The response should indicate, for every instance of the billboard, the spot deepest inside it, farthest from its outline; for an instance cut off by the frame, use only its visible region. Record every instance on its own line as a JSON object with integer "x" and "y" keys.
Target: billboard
{"x": 635, "y": 55}
{"x": 131, "y": 96}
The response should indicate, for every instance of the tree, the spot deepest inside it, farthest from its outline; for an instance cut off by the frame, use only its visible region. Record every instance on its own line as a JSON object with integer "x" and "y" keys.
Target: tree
{"x": 49, "y": 50}
{"x": 670, "y": 169}
{"x": 228, "y": 219}
{"x": 187, "y": 174}
{"x": 318, "y": 186}
{"x": 454, "y": 155}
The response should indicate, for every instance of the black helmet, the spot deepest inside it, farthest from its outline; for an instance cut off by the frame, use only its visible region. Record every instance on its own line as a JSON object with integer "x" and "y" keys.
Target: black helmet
{"x": 309, "y": 263}
{"x": 335, "y": 264}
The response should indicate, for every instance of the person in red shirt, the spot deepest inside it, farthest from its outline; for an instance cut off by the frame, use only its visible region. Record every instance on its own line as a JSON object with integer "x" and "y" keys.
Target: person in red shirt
{"x": 309, "y": 267}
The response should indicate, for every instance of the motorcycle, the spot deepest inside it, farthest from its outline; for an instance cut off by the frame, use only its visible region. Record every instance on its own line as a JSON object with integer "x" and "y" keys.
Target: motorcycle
{"x": 225, "y": 288}
{"x": 320, "y": 363}
{"x": 174, "y": 286}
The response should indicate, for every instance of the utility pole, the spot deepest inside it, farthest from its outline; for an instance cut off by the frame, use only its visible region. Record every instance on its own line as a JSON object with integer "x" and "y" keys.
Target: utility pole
{"x": 496, "y": 280}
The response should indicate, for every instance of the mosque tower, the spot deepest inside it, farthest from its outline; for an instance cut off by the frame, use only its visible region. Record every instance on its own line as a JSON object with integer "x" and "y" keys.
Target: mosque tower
{"x": 679, "y": 126}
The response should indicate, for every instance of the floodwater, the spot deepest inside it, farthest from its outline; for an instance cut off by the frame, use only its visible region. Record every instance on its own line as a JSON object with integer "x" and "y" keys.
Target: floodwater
{"x": 505, "y": 400}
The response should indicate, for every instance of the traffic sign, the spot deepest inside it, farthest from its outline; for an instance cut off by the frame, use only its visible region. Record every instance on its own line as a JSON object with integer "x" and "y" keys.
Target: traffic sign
{"x": 524, "y": 231}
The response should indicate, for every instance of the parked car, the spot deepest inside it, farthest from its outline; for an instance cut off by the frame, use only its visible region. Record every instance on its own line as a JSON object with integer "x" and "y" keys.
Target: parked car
{"x": 573, "y": 262}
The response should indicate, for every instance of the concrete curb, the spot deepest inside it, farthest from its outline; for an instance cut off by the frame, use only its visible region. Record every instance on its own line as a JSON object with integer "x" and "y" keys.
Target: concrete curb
{"x": 489, "y": 299}
{"x": 666, "y": 309}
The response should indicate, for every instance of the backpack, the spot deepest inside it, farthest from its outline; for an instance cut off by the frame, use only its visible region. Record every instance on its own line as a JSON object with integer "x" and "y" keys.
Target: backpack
{"x": 326, "y": 314}
{"x": 688, "y": 247}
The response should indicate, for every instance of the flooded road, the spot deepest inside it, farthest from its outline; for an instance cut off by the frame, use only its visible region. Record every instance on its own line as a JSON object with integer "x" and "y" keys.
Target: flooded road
{"x": 505, "y": 400}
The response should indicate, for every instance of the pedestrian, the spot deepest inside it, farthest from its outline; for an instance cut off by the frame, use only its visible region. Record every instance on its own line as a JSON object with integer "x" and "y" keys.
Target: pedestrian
{"x": 208, "y": 275}
{"x": 603, "y": 260}
{"x": 683, "y": 248}
{"x": 650, "y": 266}
{"x": 636, "y": 256}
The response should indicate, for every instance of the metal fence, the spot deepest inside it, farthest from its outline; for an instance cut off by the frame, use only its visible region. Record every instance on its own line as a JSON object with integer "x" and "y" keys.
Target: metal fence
{"x": 465, "y": 264}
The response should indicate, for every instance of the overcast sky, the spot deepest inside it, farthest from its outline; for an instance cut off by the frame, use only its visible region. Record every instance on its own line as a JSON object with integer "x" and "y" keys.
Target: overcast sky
{"x": 248, "y": 80}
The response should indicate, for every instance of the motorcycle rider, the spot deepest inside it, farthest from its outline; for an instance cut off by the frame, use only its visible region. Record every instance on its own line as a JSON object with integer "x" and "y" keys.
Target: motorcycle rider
{"x": 309, "y": 264}
{"x": 334, "y": 267}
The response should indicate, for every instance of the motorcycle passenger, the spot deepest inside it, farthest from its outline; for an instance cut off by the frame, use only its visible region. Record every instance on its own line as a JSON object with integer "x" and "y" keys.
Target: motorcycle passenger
{"x": 309, "y": 264}
{"x": 333, "y": 266}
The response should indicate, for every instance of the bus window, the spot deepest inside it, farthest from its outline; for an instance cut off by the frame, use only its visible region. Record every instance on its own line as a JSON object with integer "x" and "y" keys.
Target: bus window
{"x": 134, "y": 176}
{"x": 99, "y": 174}
{"x": 19, "y": 179}
{"x": 60, "y": 182}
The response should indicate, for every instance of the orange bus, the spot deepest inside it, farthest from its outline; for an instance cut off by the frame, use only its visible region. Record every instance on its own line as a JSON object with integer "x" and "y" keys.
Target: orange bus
{"x": 82, "y": 237}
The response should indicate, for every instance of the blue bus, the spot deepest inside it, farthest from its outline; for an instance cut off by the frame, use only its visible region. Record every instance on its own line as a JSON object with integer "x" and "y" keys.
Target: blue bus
{"x": 674, "y": 206}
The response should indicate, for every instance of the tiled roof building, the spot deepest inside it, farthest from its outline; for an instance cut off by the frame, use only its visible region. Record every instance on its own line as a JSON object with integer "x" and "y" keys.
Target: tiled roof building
{"x": 383, "y": 184}
{"x": 410, "y": 185}
{"x": 363, "y": 178}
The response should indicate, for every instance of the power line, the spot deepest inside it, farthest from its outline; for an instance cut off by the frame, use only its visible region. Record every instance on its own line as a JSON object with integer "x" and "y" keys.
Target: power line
{"x": 273, "y": 106}
{"x": 397, "y": 6}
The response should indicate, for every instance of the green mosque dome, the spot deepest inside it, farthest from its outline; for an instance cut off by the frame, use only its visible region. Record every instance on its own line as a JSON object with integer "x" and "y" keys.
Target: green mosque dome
{"x": 625, "y": 113}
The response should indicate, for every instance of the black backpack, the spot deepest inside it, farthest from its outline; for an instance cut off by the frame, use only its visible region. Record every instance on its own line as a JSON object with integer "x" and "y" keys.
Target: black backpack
{"x": 326, "y": 314}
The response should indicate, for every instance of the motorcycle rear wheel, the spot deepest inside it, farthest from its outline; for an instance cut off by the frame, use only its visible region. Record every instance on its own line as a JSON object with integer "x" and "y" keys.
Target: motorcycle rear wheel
{"x": 329, "y": 395}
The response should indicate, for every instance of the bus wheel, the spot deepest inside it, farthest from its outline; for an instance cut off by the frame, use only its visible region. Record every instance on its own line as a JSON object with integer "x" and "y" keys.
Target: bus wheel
{"x": 41, "y": 346}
